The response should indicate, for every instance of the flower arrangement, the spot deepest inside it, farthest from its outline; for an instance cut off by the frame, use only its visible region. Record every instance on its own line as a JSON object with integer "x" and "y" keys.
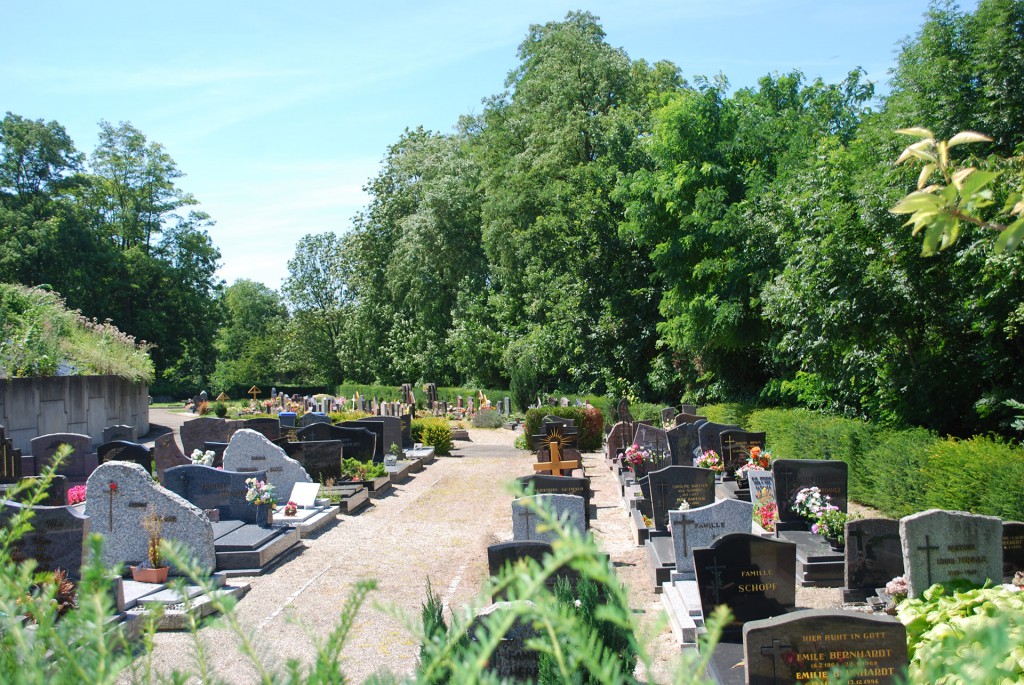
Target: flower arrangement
{"x": 711, "y": 460}
{"x": 765, "y": 511}
{"x": 202, "y": 458}
{"x": 648, "y": 521}
{"x": 831, "y": 523}
{"x": 811, "y": 502}
{"x": 757, "y": 460}
{"x": 260, "y": 492}
{"x": 291, "y": 508}
{"x": 636, "y": 455}
{"x": 898, "y": 588}
{"x": 76, "y": 494}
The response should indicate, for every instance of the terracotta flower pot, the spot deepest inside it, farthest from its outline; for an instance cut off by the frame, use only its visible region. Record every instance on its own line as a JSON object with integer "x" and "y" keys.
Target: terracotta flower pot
{"x": 150, "y": 575}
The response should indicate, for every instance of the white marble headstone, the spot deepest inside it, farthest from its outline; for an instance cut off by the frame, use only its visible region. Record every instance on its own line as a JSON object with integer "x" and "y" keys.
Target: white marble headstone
{"x": 304, "y": 495}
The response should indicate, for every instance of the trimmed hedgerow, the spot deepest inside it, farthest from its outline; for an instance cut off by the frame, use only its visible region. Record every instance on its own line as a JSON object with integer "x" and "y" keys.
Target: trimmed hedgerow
{"x": 589, "y": 421}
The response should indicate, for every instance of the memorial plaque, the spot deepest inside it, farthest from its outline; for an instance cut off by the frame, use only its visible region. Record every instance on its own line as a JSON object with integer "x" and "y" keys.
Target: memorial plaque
{"x": 210, "y": 488}
{"x": 736, "y": 446}
{"x": 805, "y": 645}
{"x": 939, "y": 546}
{"x": 755, "y": 577}
{"x": 673, "y": 485}
{"x": 874, "y": 555}
{"x": 1013, "y": 549}
{"x": 792, "y": 475}
{"x": 304, "y": 495}
{"x": 56, "y": 539}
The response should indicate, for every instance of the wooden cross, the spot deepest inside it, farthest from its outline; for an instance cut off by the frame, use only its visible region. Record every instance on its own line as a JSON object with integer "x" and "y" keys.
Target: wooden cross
{"x": 775, "y": 650}
{"x": 928, "y": 547}
{"x": 254, "y": 391}
{"x": 554, "y": 442}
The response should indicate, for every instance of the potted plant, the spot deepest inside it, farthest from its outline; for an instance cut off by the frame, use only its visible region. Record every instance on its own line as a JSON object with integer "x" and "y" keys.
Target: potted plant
{"x": 264, "y": 496}
{"x": 635, "y": 459}
{"x": 831, "y": 525}
{"x": 153, "y": 569}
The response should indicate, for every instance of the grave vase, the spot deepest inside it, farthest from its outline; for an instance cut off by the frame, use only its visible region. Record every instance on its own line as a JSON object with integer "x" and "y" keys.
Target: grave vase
{"x": 835, "y": 544}
{"x": 264, "y": 516}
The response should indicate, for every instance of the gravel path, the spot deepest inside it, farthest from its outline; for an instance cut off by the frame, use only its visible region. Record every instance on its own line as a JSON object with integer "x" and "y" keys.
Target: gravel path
{"x": 436, "y": 525}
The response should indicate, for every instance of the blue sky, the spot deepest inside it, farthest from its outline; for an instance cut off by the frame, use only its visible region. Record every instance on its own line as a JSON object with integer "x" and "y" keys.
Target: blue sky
{"x": 278, "y": 113}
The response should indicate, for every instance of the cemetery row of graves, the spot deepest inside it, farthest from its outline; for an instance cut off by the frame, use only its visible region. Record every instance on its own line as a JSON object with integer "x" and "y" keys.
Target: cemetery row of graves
{"x": 237, "y": 496}
{"x": 723, "y": 524}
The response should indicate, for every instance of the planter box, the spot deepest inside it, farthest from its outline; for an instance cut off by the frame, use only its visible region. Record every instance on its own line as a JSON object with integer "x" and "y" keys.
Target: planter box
{"x": 150, "y": 575}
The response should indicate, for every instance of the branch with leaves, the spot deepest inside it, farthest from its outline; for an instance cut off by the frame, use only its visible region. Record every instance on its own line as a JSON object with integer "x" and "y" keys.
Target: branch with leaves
{"x": 962, "y": 195}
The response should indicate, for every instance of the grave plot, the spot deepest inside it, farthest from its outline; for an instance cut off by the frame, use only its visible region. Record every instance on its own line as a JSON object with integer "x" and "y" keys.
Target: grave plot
{"x": 818, "y": 565}
{"x": 557, "y": 451}
{"x": 662, "y": 491}
{"x": 241, "y": 545}
{"x": 528, "y": 525}
{"x": 559, "y": 485}
{"x": 874, "y": 556}
{"x": 939, "y": 546}
{"x": 736, "y": 447}
{"x": 76, "y": 466}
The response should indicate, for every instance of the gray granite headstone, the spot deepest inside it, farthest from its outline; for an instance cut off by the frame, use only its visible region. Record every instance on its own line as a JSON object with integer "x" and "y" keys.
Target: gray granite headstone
{"x": 874, "y": 555}
{"x": 56, "y": 540}
{"x": 805, "y": 645}
{"x": 249, "y": 452}
{"x": 541, "y": 484}
{"x": 669, "y": 487}
{"x": 526, "y": 521}
{"x": 694, "y": 528}
{"x": 210, "y": 488}
{"x": 120, "y": 495}
{"x": 76, "y": 466}
{"x": 1013, "y": 549}
{"x": 939, "y": 546}
{"x": 119, "y": 432}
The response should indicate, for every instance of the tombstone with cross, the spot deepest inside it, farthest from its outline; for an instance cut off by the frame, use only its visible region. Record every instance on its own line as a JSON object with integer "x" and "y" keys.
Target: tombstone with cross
{"x": 939, "y": 546}
{"x": 560, "y": 447}
{"x": 527, "y": 524}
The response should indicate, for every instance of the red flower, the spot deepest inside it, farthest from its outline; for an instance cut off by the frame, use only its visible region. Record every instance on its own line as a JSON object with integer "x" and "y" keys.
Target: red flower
{"x": 113, "y": 486}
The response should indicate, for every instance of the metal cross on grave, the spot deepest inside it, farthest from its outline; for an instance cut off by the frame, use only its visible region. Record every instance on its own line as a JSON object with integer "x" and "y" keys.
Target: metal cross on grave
{"x": 775, "y": 650}
{"x": 555, "y": 442}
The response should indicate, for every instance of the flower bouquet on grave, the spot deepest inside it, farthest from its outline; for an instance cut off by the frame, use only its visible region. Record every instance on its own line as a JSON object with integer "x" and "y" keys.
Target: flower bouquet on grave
{"x": 634, "y": 459}
{"x": 291, "y": 508}
{"x": 153, "y": 569}
{"x": 811, "y": 502}
{"x": 757, "y": 460}
{"x": 202, "y": 458}
{"x": 711, "y": 460}
{"x": 765, "y": 511}
{"x": 261, "y": 493}
{"x": 76, "y": 494}
{"x": 831, "y": 525}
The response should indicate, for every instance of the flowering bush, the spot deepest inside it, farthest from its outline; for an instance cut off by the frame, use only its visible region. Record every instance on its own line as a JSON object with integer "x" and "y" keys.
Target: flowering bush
{"x": 810, "y": 503}
{"x": 757, "y": 460}
{"x": 260, "y": 492}
{"x": 831, "y": 523}
{"x": 711, "y": 460}
{"x": 76, "y": 494}
{"x": 291, "y": 508}
{"x": 202, "y": 458}
{"x": 765, "y": 511}
{"x": 898, "y": 588}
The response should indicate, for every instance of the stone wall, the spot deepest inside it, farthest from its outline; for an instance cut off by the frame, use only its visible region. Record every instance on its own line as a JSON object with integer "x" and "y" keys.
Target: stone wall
{"x": 30, "y": 407}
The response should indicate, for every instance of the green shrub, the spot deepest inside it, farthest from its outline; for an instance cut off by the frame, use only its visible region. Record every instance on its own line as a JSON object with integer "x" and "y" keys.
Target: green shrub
{"x": 729, "y": 412}
{"x": 348, "y": 415}
{"x": 488, "y": 418}
{"x": 220, "y": 409}
{"x": 898, "y": 458}
{"x": 589, "y": 439}
{"x": 435, "y": 432}
{"x": 362, "y": 470}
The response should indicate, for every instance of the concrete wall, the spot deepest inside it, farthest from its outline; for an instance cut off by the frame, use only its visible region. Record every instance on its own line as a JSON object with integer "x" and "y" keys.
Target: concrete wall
{"x": 30, "y": 407}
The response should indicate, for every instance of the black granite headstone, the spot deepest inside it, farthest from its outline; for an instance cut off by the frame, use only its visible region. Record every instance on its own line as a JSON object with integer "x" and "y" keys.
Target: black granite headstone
{"x": 309, "y": 418}
{"x": 269, "y": 428}
{"x": 56, "y": 540}
{"x": 357, "y": 442}
{"x": 122, "y": 450}
{"x": 736, "y": 446}
{"x": 321, "y": 458}
{"x": 375, "y": 427}
{"x": 407, "y": 442}
{"x": 392, "y": 433}
{"x": 671, "y": 486}
{"x": 682, "y": 440}
{"x": 755, "y": 577}
{"x": 685, "y": 417}
{"x": 1013, "y": 548}
{"x": 314, "y": 432}
{"x": 56, "y": 495}
{"x": 210, "y": 488}
{"x": 805, "y": 645}
{"x": 709, "y": 435}
{"x": 793, "y": 475}
{"x": 218, "y": 452}
{"x": 874, "y": 556}
{"x": 10, "y": 460}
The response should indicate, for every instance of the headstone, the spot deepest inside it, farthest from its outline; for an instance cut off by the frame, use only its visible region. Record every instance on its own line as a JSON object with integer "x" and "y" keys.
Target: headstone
{"x": 122, "y": 450}
{"x": 667, "y": 416}
{"x": 209, "y": 488}
{"x": 309, "y": 418}
{"x": 166, "y": 454}
{"x": 392, "y": 433}
{"x": 357, "y": 442}
{"x": 501, "y": 554}
{"x": 793, "y": 475}
{"x": 271, "y": 428}
{"x": 10, "y": 460}
{"x": 56, "y": 540}
{"x": 197, "y": 432}
{"x": 314, "y": 432}
{"x": 654, "y": 439}
{"x": 76, "y": 466}
{"x": 623, "y": 411}
{"x": 759, "y": 480}
{"x": 806, "y": 645}
{"x": 874, "y": 556}
{"x": 684, "y": 417}
{"x": 939, "y": 546}
{"x": 709, "y": 435}
{"x": 508, "y": 406}
{"x": 619, "y": 438}
{"x": 1013, "y": 549}
{"x": 698, "y": 528}
{"x": 120, "y": 495}
{"x": 736, "y": 446}
{"x": 673, "y": 485}
{"x": 406, "y": 420}
{"x": 682, "y": 440}
{"x": 56, "y": 495}
{"x": 511, "y": 661}
{"x": 559, "y": 485}
{"x": 377, "y": 428}
{"x": 688, "y": 408}
{"x": 321, "y": 458}
{"x": 119, "y": 432}
{"x": 250, "y": 451}
{"x": 304, "y": 495}
{"x": 526, "y": 521}
{"x": 754, "y": 577}
{"x": 218, "y": 452}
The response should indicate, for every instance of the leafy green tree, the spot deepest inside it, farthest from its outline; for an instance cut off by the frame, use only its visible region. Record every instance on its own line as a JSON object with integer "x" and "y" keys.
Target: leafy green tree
{"x": 250, "y": 343}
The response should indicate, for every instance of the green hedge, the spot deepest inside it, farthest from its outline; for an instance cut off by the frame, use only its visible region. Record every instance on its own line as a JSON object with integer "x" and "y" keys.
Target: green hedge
{"x": 589, "y": 421}
{"x": 433, "y": 432}
{"x": 900, "y": 472}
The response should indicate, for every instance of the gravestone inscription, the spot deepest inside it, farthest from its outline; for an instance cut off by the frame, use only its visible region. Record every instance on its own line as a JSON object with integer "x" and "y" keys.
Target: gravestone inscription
{"x": 939, "y": 546}
{"x": 671, "y": 486}
{"x": 558, "y": 485}
{"x": 736, "y": 446}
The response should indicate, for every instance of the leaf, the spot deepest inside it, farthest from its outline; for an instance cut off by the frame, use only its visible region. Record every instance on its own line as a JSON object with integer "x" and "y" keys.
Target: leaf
{"x": 1013, "y": 201}
{"x": 977, "y": 181}
{"x": 1010, "y": 237}
{"x": 960, "y": 175}
{"x": 968, "y": 137}
{"x": 916, "y": 131}
{"x": 916, "y": 201}
{"x": 926, "y": 171}
{"x": 917, "y": 150}
{"x": 931, "y": 240}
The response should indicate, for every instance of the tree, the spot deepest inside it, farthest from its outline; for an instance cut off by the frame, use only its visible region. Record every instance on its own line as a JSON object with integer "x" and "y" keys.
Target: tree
{"x": 249, "y": 344}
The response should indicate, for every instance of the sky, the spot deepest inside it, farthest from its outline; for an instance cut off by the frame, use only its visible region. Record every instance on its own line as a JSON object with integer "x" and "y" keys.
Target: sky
{"x": 279, "y": 113}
